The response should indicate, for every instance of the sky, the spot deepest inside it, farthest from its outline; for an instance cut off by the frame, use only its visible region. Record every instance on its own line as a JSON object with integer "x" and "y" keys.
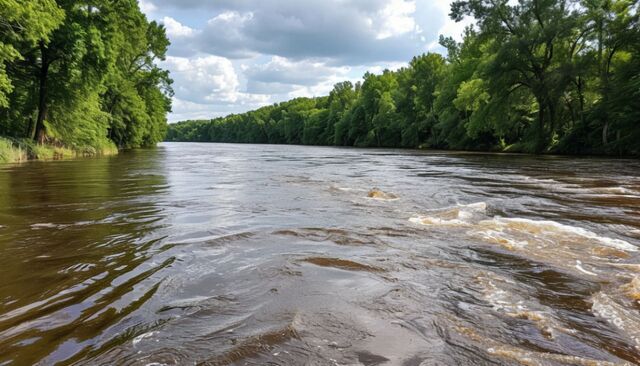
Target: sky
{"x": 231, "y": 56}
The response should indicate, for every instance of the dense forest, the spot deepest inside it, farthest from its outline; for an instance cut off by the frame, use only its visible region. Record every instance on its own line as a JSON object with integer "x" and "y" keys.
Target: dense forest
{"x": 530, "y": 76}
{"x": 81, "y": 75}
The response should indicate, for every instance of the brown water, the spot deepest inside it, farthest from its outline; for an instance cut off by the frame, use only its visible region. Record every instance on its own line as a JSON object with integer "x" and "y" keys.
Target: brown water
{"x": 243, "y": 254}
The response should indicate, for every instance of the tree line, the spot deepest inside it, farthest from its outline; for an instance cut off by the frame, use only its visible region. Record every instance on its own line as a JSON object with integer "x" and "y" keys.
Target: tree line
{"x": 536, "y": 76}
{"x": 82, "y": 74}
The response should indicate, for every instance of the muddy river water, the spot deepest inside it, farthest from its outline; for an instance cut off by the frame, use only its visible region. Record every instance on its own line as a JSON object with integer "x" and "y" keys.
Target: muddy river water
{"x": 221, "y": 254}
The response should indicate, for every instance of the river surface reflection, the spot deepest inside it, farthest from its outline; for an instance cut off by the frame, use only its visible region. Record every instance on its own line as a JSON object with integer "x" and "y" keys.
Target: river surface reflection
{"x": 224, "y": 254}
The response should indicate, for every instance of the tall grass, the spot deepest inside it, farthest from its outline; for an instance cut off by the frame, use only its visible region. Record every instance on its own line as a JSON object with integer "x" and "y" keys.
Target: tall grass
{"x": 11, "y": 152}
{"x": 19, "y": 150}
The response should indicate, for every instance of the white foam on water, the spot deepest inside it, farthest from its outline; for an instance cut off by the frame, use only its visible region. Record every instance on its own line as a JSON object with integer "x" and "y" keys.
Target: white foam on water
{"x": 500, "y": 299}
{"x": 551, "y": 184}
{"x": 44, "y": 225}
{"x": 498, "y": 291}
{"x": 499, "y": 238}
{"x": 625, "y": 319}
{"x": 573, "y": 188}
{"x": 553, "y": 230}
{"x": 478, "y": 206}
{"x": 579, "y": 267}
{"x": 382, "y": 198}
{"x": 435, "y": 221}
{"x": 346, "y": 189}
{"x": 139, "y": 338}
{"x": 615, "y": 190}
{"x": 533, "y": 358}
{"x": 460, "y": 215}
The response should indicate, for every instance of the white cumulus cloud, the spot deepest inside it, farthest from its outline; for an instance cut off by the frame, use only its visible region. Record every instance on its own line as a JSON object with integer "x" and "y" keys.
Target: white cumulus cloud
{"x": 175, "y": 29}
{"x": 230, "y": 56}
{"x": 396, "y": 18}
{"x": 147, "y": 7}
{"x": 210, "y": 81}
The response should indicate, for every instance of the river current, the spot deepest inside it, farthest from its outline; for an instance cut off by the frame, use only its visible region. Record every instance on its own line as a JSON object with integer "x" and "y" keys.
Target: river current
{"x": 224, "y": 254}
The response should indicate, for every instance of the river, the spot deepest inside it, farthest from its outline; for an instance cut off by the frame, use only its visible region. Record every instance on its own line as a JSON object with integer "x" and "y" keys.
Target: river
{"x": 258, "y": 254}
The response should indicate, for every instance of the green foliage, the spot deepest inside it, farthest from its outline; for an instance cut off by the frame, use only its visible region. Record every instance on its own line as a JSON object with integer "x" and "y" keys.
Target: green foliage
{"x": 530, "y": 76}
{"x": 23, "y": 24}
{"x": 82, "y": 74}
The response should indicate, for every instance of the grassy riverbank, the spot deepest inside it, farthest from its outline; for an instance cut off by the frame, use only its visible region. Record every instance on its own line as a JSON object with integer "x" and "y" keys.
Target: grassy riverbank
{"x": 21, "y": 150}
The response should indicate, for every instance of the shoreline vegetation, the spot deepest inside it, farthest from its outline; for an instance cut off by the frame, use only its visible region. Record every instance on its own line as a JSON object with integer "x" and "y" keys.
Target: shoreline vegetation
{"x": 22, "y": 150}
{"x": 544, "y": 77}
{"x": 80, "y": 79}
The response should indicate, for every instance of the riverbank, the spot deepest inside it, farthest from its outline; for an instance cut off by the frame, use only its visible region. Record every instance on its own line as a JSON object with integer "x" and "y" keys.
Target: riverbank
{"x": 21, "y": 150}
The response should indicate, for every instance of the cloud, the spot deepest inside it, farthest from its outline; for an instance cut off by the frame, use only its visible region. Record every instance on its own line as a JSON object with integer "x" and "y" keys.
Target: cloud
{"x": 147, "y": 7}
{"x": 272, "y": 88}
{"x": 450, "y": 28}
{"x": 394, "y": 66}
{"x": 320, "y": 89}
{"x": 185, "y": 110}
{"x": 290, "y": 78}
{"x": 208, "y": 80}
{"x": 231, "y": 56}
{"x": 396, "y": 18}
{"x": 175, "y": 29}
{"x": 283, "y": 70}
{"x": 346, "y": 31}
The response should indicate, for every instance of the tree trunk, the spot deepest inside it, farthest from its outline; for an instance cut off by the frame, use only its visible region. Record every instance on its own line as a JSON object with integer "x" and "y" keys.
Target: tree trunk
{"x": 605, "y": 108}
{"x": 39, "y": 133}
{"x": 31, "y": 132}
{"x": 581, "y": 95}
{"x": 572, "y": 112}
{"x": 552, "y": 119}
{"x": 540, "y": 142}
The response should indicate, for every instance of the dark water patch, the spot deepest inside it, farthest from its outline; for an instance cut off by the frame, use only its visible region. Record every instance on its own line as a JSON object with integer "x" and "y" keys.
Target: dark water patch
{"x": 334, "y": 235}
{"x": 262, "y": 343}
{"x": 341, "y": 264}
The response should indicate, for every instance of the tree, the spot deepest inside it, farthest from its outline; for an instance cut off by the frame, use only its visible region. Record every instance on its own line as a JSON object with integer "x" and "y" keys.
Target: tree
{"x": 416, "y": 97}
{"x": 82, "y": 73}
{"x": 23, "y": 25}
{"x": 137, "y": 93}
{"x": 527, "y": 49}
